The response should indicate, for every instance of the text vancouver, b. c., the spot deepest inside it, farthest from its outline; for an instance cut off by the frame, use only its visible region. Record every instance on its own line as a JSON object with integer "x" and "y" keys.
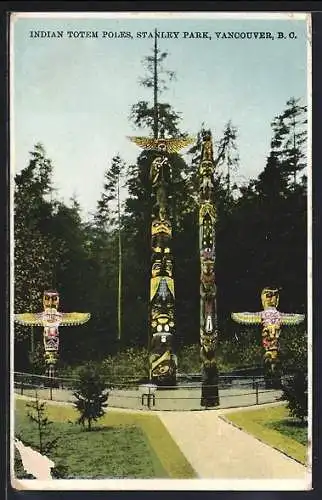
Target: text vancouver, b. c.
{"x": 195, "y": 35}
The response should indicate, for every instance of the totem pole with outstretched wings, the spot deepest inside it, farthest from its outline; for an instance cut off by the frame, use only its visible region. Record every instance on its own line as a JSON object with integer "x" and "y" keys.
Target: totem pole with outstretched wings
{"x": 271, "y": 320}
{"x": 162, "y": 360}
{"x": 51, "y": 319}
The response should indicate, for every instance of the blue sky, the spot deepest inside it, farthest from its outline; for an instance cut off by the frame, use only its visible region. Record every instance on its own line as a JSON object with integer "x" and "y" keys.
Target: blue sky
{"x": 75, "y": 95}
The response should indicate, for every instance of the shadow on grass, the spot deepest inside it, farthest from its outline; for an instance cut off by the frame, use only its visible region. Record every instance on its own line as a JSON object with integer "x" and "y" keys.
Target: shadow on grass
{"x": 293, "y": 428}
{"x": 102, "y": 428}
{"x": 296, "y": 423}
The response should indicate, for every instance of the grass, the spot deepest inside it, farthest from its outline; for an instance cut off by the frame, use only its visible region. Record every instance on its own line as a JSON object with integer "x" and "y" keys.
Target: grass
{"x": 273, "y": 426}
{"x": 122, "y": 445}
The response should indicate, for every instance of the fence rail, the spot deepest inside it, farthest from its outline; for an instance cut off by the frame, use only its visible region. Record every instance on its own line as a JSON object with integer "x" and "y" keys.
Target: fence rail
{"x": 234, "y": 391}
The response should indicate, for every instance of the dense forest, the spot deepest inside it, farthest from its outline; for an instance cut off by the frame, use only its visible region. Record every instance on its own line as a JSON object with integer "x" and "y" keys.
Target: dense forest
{"x": 261, "y": 237}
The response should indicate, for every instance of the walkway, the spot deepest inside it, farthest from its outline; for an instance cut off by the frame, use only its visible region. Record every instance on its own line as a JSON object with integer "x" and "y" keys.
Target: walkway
{"x": 218, "y": 450}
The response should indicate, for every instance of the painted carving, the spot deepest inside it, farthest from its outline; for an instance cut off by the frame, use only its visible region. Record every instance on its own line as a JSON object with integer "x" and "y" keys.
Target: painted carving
{"x": 208, "y": 306}
{"x": 271, "y": 320}
{"x": 51, "y": 319}
{"x": 163, "y": 362}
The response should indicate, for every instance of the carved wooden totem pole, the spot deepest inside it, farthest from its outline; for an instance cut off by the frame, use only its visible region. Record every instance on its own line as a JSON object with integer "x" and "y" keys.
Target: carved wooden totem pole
{"x": 271, "y": 320}
{"x": 208, "y": 307}
{"x": 50, "y": 319}
{"x": 162, "y": 361}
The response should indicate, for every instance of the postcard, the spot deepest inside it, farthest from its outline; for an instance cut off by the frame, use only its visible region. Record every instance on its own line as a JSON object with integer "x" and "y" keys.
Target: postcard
{"x": 161, "y": 281}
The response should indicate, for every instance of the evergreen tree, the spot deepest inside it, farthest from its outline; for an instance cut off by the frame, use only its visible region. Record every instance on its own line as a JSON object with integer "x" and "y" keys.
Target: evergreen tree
{"x": 156, "y": 115}
{"x": 91, "y": 396}
{"x": 36, "y": 254}
{"x": 107, "y": 249}
{"x": 37, "y": 415}
{"x": 289, "y": 140}
{"x": 266, "y": 241}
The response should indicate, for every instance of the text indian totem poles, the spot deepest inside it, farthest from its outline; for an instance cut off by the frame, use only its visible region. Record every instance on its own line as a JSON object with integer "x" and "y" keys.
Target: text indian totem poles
{"x": 271, "y": 320}
{"x": 208, "y": 306}
{"x": 51, "y": 319}
{"x": 162, "y": 360}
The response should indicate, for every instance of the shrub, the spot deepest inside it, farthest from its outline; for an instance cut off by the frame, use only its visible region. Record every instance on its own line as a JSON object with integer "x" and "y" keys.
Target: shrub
{"x": 295, "y": 393}
{"x": 91, "y": 395}
{"x": 130, "y": 364}
{"x": 37, "y": 415}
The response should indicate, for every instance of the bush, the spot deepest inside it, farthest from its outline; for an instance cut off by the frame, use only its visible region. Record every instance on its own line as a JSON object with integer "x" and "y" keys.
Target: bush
{"x": 127, "y": 365}
{"x": 295, "y": 392}
{"x": 293, "y": 349}
{"x": 91, "y": 394}
{"x": 189, "y": 359}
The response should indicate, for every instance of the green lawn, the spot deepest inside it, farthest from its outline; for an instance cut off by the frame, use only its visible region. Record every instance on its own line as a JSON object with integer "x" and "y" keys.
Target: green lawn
{"x": 122, "y": 445}
{"x": 273, "y": 426}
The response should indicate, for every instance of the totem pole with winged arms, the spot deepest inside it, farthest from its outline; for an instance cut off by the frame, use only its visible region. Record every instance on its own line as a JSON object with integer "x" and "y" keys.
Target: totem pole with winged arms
{"x": 271, "y": 320}
{"x": 51, "y": 319}
{"x": 208, "y": 306}
{"x": 162, "y": 360}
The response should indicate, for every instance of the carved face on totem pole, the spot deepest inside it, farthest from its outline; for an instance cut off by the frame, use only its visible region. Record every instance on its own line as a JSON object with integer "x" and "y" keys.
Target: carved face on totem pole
{"x": 206, "y": 184}
{"x": 207, "y": 274}
{"x": 207, "y": 219}
{"x": 207, "y": 149}
{"x": 270, "y": 297}
{"x": 162, "y": 305}
{"x": 50, "y": 300}
{"x": 207, "y": 349}
{"x": 208, "y": 342}
{"x": 162, "y": 361}
{"x": 161, "y": 232}
{"x": 160, "y": 171}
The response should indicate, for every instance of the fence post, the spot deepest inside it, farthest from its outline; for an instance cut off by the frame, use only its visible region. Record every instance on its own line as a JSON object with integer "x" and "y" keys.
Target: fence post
{"x": 21, "y": 387}
{"x": 256, "y": 387}
{"x": 50, "y": 379}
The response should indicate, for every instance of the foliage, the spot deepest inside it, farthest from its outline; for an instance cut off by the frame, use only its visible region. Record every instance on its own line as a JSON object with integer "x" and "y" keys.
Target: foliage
{"x": 292, "y": 428}
{"x": 189, "y": 359}
{"x": 294, "y": 347}
{"x": 37, "y": 415}
{"x": 129, "y": 364}
{"x": 260, "y": 238}
{"x": 36, "y": 358}
{"x": 157, "y": 115}
{"x": 91, "y": 396}
{"x": 295, "y": 392}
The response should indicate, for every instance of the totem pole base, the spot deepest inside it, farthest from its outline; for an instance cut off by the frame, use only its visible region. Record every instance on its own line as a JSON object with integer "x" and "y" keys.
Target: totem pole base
{"x": 209, "y": 388}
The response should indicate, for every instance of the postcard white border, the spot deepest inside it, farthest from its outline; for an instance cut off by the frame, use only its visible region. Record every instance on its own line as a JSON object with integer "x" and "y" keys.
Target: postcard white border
{"x": 163, "y": 484}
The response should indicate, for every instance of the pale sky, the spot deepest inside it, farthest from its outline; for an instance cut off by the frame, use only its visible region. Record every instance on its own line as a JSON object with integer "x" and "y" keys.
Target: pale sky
{"x": 74, "y": 95}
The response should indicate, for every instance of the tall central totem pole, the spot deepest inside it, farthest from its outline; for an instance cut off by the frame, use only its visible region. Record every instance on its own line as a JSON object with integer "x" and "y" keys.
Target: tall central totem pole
{"x": 208, "y": 306}
{"x": 162, "y": 360}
